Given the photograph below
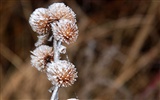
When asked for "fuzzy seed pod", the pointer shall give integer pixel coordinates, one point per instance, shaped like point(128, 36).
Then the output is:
point(61, 73)
point(41, 56)
point(65, 30)
point(40, 21)
point(61, 11)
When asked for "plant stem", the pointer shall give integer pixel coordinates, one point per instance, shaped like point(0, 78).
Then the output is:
point(56, 53)
point(55, 94)
point(56, 58)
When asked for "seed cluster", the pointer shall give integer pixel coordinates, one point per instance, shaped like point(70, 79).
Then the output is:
point(59, 18)
point(57, 24)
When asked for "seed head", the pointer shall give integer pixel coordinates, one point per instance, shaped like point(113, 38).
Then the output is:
point(61, 11)
point(65, 30)
point(40, 21)
point(62, 73)
point(41, 56)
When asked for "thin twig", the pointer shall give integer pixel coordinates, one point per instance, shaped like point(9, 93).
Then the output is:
point(141, 37)
point(134, 68)
point(11, 56)
point(55, 93)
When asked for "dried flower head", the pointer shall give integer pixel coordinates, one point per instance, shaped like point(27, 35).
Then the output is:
point(61, 11)
point(65, 30)
point(41, 56)
point(40, 21)
point(62, 73)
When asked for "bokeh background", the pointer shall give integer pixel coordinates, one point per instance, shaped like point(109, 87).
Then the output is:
point(117, 53)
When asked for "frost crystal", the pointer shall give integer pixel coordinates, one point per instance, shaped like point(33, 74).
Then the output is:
point(61, 73)
point(41, 56)
point(65, 30)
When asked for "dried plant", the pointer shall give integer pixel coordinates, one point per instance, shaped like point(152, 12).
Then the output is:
point(62, 73)
point(41, 56)
point(60, 20)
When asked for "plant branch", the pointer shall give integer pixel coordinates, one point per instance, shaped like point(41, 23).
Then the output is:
point(55, 94)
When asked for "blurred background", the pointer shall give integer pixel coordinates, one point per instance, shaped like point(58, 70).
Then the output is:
point(117, 53)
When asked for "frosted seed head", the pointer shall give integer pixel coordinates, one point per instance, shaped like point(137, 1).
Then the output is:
point(41, 56)
point(62, 73)
point(65, 30)
point(40, 21)
point(61, 11)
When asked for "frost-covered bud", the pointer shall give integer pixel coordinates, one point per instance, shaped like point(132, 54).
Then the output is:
point(41, 56)
point(40, 21)
point(61, 73)
point(65, 30)
point(61, 11)
point(42, 39)
point(62, 49)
